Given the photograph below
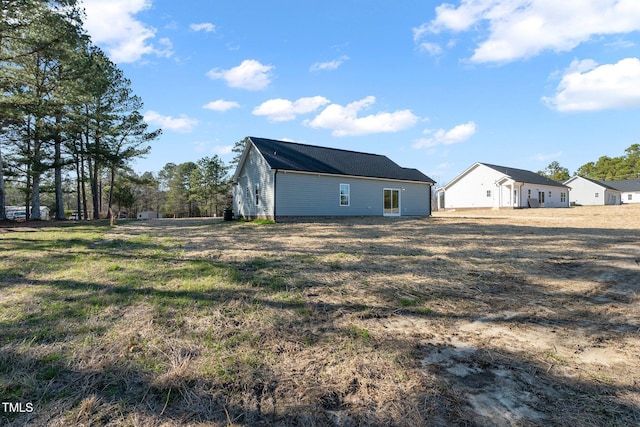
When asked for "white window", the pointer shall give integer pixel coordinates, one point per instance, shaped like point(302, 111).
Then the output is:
point(488, 193)
point(597, 195)
point(549, 194)
point(345, 195)
point(629, 197)
point(528, 193)
point(563, 197)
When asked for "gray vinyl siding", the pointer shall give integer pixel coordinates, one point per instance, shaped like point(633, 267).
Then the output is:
point(255, 171)
point(301, 194)
point(416, 199)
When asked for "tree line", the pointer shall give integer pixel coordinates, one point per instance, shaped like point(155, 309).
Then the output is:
point(65, 109)
point(190, 189)
point(605, 168)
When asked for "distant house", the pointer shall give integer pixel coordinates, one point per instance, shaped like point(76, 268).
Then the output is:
point(278, 180)
point(588, 192)
point(149, 215)
point(630, 189)
point(19, 212)
point(484, 185)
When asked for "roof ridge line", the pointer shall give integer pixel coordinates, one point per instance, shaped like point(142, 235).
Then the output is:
point(322, 147)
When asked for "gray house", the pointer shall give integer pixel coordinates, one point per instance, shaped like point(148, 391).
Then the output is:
point(587, 192)
point(278, 179)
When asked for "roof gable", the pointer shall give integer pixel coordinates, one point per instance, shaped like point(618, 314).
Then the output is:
point(315, 159)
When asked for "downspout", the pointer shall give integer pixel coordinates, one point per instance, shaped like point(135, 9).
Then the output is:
point(520, 196)
point(275, 184)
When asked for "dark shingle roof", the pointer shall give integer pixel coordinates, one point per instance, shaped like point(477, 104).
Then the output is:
point(521, 175)
point(626, 185)
point(310, 158)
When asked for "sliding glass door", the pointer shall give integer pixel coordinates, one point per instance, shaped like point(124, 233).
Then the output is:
point(391, 202)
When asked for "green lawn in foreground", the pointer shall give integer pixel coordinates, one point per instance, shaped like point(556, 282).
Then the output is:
point(68, 297)
point(97, 329)
point(524, 319)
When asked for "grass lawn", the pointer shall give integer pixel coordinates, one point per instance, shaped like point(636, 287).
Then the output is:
point(527, 317)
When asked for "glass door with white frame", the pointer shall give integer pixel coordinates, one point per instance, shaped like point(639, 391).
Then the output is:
point(391, 202)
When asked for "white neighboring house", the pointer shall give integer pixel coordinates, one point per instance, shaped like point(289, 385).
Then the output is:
point(149, 215)
point(484, 185)
point(630, 189)
point(589, 192)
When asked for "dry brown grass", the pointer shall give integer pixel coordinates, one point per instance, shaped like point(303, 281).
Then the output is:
point(527, 317)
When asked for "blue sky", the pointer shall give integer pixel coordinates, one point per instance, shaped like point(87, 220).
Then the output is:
point(434, 86)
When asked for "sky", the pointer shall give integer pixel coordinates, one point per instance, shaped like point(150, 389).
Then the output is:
point(434, 86)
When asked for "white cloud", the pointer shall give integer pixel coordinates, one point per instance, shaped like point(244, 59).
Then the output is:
point(520, 29)
point(344, 121)
point(420, 32)
point(544, 157)
point(223, 149)
point(329, 65)
point(182, 124)
point(249, 75)
point(113, 26)
point(621, 44)
point(446, 137)
point(207, 27)
point(221, 105)
point(200, 146)
point(433, 49)
point(441, 169)
point(586, 86)
point(281, 110)
point(167, 48)
point(208, 147)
